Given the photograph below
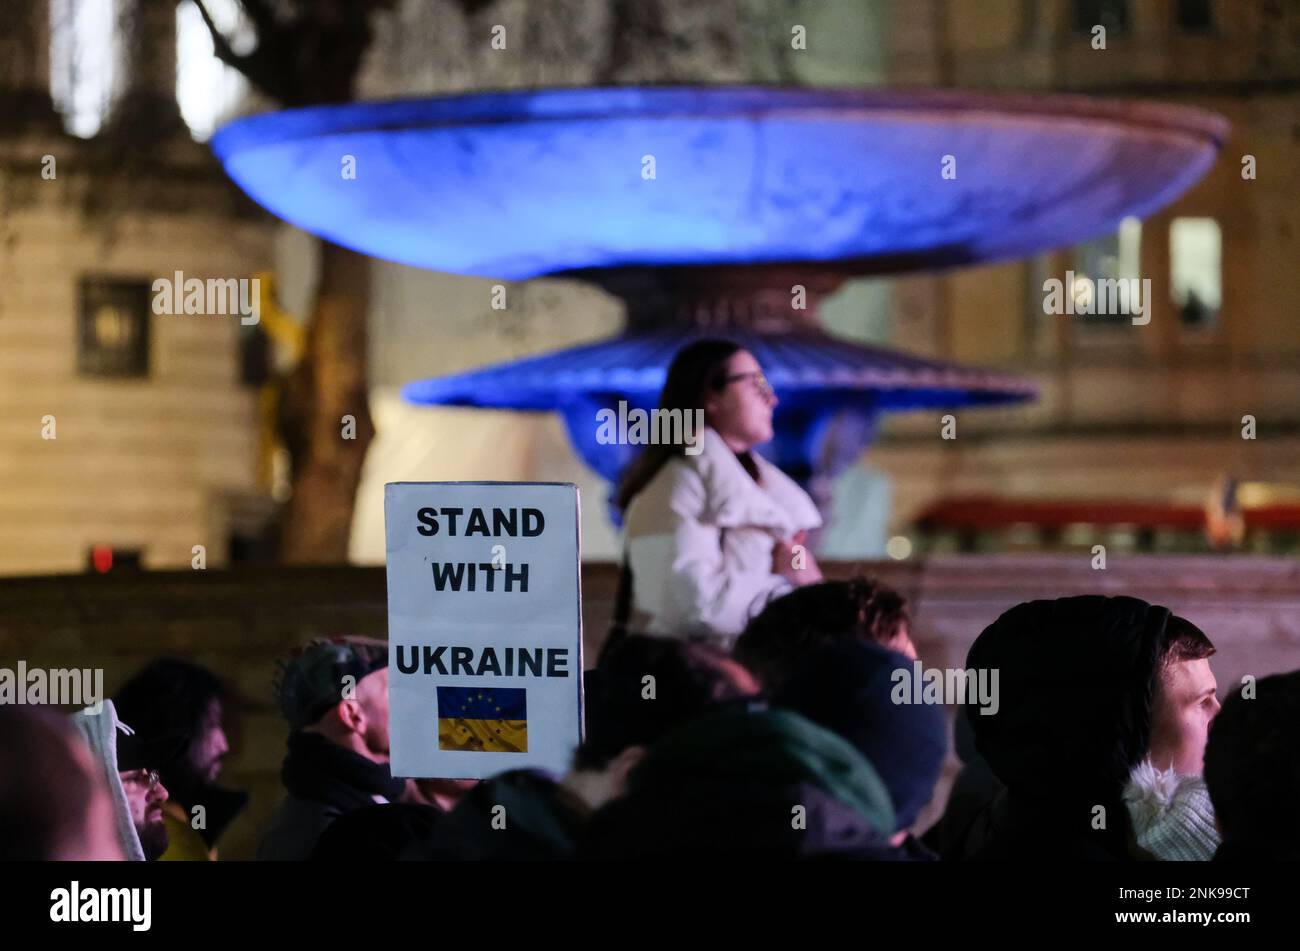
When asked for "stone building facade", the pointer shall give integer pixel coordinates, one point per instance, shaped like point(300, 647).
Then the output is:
point(120, 429)
point(159, 463)
point(1150, 412)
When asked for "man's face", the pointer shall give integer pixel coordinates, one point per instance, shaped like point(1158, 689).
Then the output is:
point(209, 745)
point(1180, 723)
point(145, 797)
point(372, 695)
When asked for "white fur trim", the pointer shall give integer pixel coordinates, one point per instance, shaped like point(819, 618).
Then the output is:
point(1172, 816)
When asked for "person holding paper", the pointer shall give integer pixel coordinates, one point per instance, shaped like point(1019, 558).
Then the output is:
point(713, 530)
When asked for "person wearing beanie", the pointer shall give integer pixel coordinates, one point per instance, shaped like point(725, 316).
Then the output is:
point(132, 778)
point(746, 782)
point(848, 688)
point(1090, 687)
point(1171, 814)
point(1252, 771)
point(334, 695)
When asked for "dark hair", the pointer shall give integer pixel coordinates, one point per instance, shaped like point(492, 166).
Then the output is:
point(1183, 641)
point(1252, 767)
point(778, 640)
point(44, 792)
point(165, 703)
point(689, 680)
point(696, 369)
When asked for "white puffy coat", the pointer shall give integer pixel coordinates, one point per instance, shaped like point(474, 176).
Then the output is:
point(699, 542)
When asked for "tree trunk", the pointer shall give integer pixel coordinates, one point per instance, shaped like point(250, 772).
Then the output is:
point(325, 413)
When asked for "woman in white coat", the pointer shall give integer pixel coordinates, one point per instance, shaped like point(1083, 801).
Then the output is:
point(716, 532)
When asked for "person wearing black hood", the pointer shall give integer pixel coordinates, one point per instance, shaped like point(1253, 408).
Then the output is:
point(334, 694)
point(1091, 689)
point(180, 708)
point(1252, 769)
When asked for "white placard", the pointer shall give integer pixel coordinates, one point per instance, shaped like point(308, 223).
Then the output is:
point(484, 627)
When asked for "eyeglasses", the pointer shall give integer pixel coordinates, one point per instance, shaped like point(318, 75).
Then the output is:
point(143, 777)
point(760, 381)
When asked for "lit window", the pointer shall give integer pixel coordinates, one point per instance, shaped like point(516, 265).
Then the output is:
point(1196, 266)
point(83, 53)
point(1106, 277)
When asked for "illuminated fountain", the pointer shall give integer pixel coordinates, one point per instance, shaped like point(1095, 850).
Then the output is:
point(708, 210)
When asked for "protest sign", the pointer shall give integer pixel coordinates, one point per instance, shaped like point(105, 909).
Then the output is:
point(484, 627)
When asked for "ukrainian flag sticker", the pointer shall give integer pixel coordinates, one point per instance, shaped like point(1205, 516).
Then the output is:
point(483, 719)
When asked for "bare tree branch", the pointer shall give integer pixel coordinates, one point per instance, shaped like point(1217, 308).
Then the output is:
point(220, 45)
point(264, 66)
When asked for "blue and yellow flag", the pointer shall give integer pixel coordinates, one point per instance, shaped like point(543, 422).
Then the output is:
point(483, 719)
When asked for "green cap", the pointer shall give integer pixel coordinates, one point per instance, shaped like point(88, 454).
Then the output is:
point(310, 680)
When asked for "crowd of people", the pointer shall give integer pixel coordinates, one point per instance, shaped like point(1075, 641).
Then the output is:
point(774, 726)
point(1108, 743)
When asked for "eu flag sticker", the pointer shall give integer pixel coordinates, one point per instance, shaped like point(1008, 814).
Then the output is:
point(483, 719)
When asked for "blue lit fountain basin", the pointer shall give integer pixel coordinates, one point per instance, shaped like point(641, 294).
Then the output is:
point(519, 184)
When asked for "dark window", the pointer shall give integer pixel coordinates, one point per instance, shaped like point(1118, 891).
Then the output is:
point(1195, 16)
point(105, 558)
point(250, 549)
point(1112, 14)
point(113, 328)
